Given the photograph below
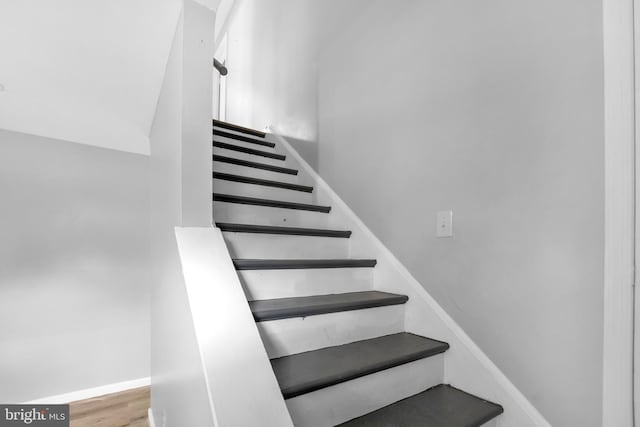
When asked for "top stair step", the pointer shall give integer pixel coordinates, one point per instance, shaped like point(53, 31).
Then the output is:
point(243, 138)
point(238, 128)
point(303, 373)
point(440, 406)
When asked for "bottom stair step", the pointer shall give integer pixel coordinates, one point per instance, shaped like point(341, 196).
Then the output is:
point(306, 372)
point(440, 406)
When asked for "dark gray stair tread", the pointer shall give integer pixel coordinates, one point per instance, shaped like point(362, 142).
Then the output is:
point(271, 229)
point(286, 308)
point(302, 373)
point(259, 181)
point(296, 264)
point(246, 150)
point(217, 132)
point(247, 163)
point(440, 406)
point(238, 128)
point(270, 203)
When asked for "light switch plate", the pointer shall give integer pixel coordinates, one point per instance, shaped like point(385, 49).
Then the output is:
point(444, 226)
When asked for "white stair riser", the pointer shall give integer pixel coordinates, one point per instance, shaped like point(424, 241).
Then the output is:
point(336, 404)
point(268, 284)
point(265, 215)
point(260, 191)
point(291, 336)
point(253, 245)
point(223, 167)
point(253, 157)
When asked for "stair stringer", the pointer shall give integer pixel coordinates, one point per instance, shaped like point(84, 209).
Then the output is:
point(466, 366)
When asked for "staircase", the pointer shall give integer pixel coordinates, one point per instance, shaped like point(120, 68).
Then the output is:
point(338, 346)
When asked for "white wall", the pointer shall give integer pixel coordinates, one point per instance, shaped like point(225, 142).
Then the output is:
point(271, 62)
point(75, 267)
point(493, 109)
point(87, 71)
point(74, 285)
point(197, 90)
point(179, 395)
point(222, 14)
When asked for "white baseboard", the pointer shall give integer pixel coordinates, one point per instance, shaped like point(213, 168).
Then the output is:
point(469, 359)
point(92, 392)
point(152, 421)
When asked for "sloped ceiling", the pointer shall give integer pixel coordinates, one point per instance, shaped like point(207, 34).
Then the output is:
point(86, 71)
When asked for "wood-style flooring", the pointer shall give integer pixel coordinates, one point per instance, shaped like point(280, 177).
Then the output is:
point(125, 409)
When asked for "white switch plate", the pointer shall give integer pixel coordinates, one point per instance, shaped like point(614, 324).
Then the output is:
point(444, 226)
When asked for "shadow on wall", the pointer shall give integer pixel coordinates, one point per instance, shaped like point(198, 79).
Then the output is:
point(307, 149)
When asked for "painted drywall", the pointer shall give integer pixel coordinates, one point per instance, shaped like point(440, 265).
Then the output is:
point(272, 60)
point(86, 71)
point(74, 285)
point(179, 394)
point(197, 89)
point(222, 14)
point(271, 63)
point(492, 109)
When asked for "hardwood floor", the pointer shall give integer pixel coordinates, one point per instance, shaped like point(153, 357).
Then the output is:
point(124, 409)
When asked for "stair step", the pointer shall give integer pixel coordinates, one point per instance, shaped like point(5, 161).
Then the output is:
point(269, 215)
point(291, 231)
point(270, 284)
point(217, 132)
point(440, 406)
point(286, 308)
point(238, 128)
point(343, 402)
point(303, 373)
point(228, 198)
point(241, 189)
point(288, 264)
point(282, 246)
point(264, 182)
point(285, 337)
point(263, 166)
point(225, 167)
point(246, 150)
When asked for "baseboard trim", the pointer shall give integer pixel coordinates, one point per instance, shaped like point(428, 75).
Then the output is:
point(92, 392)
point(519, 405)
